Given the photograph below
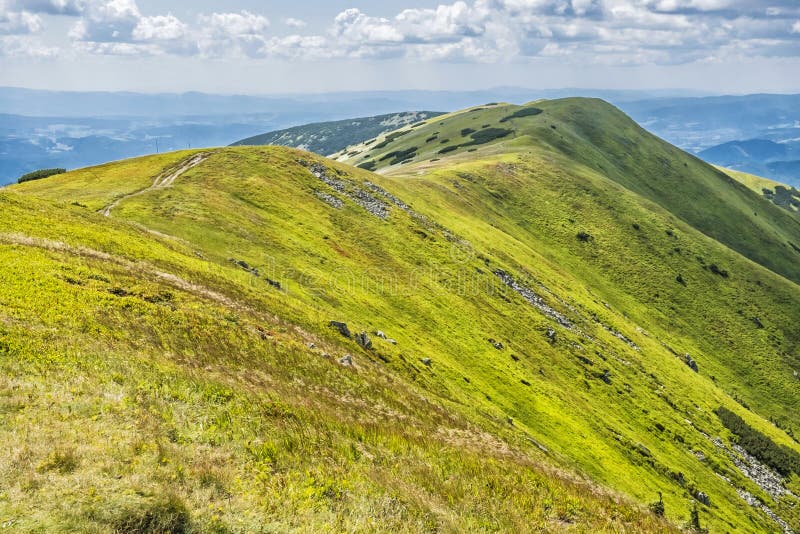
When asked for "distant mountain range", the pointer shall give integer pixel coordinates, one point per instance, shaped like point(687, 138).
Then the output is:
point(779, 161)
point(64, 129)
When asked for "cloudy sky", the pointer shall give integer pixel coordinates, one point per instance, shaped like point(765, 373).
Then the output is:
point(247, 46)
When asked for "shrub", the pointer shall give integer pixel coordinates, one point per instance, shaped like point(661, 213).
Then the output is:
point(524, 112)
point(584, 237)
point(466, 131)
point(400, 156)
point(434, 137)
point(368, 165)
point(658, 507)
point(781, 458)
point(391, 137)
point(166, 514)
point(62, 461)
point(38, 175)
point(488, 135)
point(714, 268)
point(447, 149)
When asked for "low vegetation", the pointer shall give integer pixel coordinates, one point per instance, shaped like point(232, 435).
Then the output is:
point(520, 113)
point(38, 175)
point(780, 457)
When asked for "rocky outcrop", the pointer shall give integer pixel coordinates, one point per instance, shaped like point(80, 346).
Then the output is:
point(690, 362)
point(364, 340)
point(341, 327)
point(360, 196)
point(330, 200)
point(244, 265)
point(618, 335)
point(532, 298)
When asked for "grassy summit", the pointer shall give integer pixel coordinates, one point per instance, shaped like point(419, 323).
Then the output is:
point(172, 365)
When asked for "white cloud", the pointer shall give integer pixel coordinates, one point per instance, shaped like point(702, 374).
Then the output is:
point(235, 24)
point(12, 23)
point(51, 7)
point(295, 23)
point(580, 31)
point(25, 47)
point(222, 34)
point(159, 28)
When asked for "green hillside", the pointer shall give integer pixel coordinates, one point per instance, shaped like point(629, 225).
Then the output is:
point(170, 364)
point(592, 134)
point(782, 195)
point(328, 137)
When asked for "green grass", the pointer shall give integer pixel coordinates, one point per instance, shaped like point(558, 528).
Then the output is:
point(592, 134)
point(178, 388)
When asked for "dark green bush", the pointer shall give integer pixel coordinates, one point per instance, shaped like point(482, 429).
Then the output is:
point(391, 137)
point(779, 457)
point(658, 507)
point(38, 175)
point(447, 149)
point(714, 268)
point(400, 155)
point(488, 135)
point(466, 131)
point(524, 112)
point(368, 165)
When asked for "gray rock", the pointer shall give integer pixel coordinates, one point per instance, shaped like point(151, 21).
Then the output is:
point(341, 327)
point(392, 341)
point(330, 200)
point(346, 360)
point(533, 299)
point(312, 346)
point(498, 345)
point(690, 362)
point(426, 361)
point(380, 334)
point(364, 340)
point(702, 497)
point(551, 335)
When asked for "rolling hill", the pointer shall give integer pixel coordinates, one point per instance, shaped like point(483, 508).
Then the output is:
point(328, 137)
point(532, 317)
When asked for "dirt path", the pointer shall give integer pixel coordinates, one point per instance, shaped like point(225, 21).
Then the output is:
point(162, 180)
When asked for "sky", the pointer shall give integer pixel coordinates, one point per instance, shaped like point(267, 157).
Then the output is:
point(314, 46)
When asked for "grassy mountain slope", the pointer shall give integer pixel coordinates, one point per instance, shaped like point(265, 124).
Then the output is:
point(328, 137)
point(148, 386)
point(601, 138)
point(784, 196)
point(524, 353)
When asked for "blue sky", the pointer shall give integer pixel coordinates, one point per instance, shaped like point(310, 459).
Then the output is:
point(247, 46)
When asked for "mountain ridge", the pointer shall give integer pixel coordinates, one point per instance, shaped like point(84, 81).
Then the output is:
point(558, 335)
